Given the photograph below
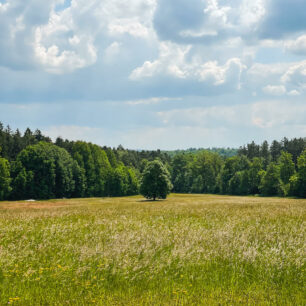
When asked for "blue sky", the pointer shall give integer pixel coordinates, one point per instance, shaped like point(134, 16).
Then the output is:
point(155, 74)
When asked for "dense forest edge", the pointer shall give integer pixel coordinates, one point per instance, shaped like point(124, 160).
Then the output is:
point(34, 167)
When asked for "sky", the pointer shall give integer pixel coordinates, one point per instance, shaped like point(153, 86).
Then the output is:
point(148, 74)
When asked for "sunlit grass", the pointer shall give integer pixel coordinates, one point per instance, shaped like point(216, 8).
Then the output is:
point(189, 249)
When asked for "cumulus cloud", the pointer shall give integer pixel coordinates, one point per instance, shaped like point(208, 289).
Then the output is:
point(79, 53)
point(282, 78)
point(296, 75)
point(130, 26)
point(132, 52)
point(251, 13)
point(275, 90)
point(297, 46)
point(172, 61)
point(35, 33)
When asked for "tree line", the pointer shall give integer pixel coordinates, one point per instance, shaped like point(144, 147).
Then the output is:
point(32, 166)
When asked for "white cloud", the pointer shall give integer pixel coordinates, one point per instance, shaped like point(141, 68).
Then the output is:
point(259, 70)
point(251, 12)
point(293, 93)
point(111, 52)
point(155, 100)
point(275, 90)
point(297, 46)
point(68, 39)
point(217, 15)
point(195, 34)
point(130, 26)
point(142, 54)
point(173, 62)
point(296, 75)
point(288, 77)
point(4, 6)
point(217, 75)
point(278, 114)
point(82, 53)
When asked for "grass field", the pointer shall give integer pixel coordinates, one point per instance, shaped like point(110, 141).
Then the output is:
point(186, 250)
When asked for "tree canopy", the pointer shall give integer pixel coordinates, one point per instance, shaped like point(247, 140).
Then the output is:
point(155, 181)
point(32, 166)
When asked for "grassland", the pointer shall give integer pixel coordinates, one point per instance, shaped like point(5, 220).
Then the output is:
point(187, 250)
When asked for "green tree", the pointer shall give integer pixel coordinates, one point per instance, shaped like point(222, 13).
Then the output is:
point(94, 161)
point(132, 182)
point(22, 181)
point(102, 169)
point(270, 181)
point(235, 183)
point(119, 182)
point(44, 171)
point(275, 149)
point(245, 185)
point(155, 182)
point(206, 164)
point(79, 179)
point(265, 154)
point(302, 175)
point(231, 166)
point(286, 166)
point(181, 164)
point(82, 154)
point(254, 175)
point(197, 184)
point(5, 179)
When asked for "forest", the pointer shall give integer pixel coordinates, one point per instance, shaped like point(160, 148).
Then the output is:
point(34, 167)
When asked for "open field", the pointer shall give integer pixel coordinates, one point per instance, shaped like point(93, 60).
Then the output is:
point(189, 249)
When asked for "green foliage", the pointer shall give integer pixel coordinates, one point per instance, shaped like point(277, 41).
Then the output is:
point(44, 171)
point(231, 166)
point(239, 184)
point(302, 175)
point(155, 182)
point(101, 171)
point(223, 152)
point(79, 179)
point(271, 182)
point(118, 182)
point(286, 166)
point(254, 175)
point(180, 166)
point(5, 179)
point(234, 183)
point(132, 188)
point(198, 184)
point(22, 182)
point(206, 166)
point(294, 185)
point(13, 143)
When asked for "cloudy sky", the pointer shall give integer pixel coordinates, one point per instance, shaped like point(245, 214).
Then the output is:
point(155, 73)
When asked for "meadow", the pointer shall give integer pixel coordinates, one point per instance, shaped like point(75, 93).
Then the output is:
point(186, 250)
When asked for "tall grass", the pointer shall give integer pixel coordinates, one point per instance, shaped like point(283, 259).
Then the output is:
point(186, 250)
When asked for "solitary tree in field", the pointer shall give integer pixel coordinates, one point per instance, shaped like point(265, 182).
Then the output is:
point(155, 182)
